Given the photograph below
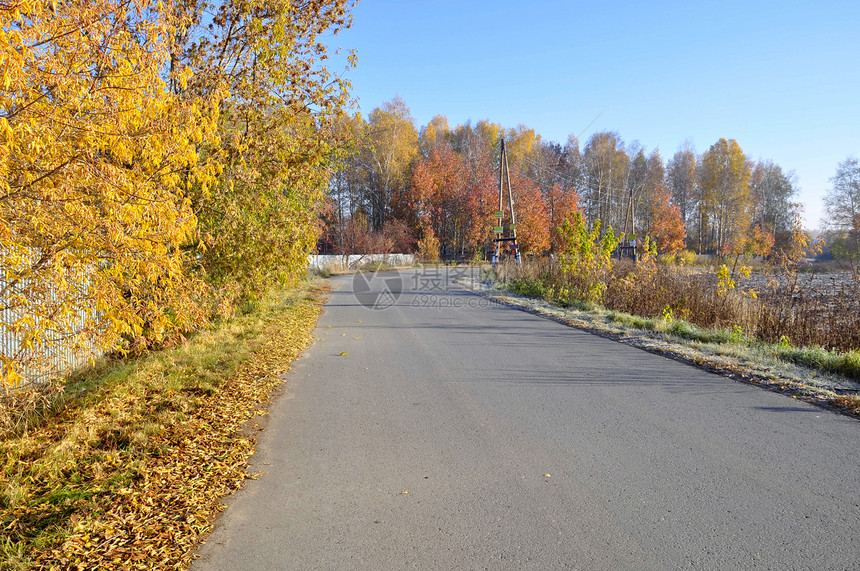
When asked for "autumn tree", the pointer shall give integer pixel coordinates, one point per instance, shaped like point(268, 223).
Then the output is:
point(347, 190)
point(476, 148)
point(572, 166)
point(846, 246)
point(562, 204)
point(463, 224)
point(92, 211)
point(393, 149)
point(433, 134)
point(358, 237)
point(438, 198)
point(522, 145)
point(145, 145)
point(667, 225)
point(451, 197)
point(633, 200)
point(605, 166)
point(490, 133)
point(842, 202)
point(682, 180)
point(446, 178)
point(842, 205)
point(771, 206)
point(723, 206)
point(262, 65)
point(533, 224)
point(549, 166)
point(651, 193)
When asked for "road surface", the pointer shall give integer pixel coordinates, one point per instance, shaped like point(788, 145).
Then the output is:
point(428, 428)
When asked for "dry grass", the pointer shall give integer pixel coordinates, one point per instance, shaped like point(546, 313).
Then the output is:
point(720, 350)
point(30, 405)
point(126, 468)
point(814, 328)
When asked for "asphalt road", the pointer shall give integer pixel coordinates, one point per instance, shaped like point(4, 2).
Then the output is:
point(457, 434)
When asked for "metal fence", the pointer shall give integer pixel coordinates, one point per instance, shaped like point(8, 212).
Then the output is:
point(56, 353)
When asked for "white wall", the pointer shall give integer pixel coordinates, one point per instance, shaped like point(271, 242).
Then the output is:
point(353, 261)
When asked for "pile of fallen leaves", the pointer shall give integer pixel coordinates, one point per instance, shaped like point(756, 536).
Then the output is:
point(130, 476)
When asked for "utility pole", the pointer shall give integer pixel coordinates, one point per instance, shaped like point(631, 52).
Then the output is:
point(627, 247)
point(630, 215)
point(500, 213)
point(504, 173)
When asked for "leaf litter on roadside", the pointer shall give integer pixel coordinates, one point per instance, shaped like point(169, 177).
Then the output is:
point(80, 498)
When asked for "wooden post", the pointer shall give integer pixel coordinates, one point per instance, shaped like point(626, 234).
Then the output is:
point(498, 230)
point(511, 203)
point(497, 255)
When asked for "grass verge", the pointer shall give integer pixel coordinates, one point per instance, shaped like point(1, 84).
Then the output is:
point(127, 469)
point(826, 378)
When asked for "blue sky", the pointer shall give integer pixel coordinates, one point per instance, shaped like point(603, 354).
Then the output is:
point(783, 78)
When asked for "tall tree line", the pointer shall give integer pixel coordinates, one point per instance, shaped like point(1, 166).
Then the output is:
point(445, 179)
point(842, 205)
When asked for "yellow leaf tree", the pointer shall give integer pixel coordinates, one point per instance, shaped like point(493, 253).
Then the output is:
point(92, 144)
point(392, 153)
point(264, 62)
point(724, 183)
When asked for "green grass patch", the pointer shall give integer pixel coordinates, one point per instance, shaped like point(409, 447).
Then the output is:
point(633, 321)
point(841, 363)
point(527, 287)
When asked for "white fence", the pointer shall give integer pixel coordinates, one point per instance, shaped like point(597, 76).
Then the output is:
point(53, 356)
point(339, 263)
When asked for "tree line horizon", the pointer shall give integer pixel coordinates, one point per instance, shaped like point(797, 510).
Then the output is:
point(400, 184)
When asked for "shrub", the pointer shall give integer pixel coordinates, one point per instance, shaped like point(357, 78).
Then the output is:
point(526, 286)
point(428, 247)
point(708, 299)
point(681, 329)
point(686, 258)
point(585, 259)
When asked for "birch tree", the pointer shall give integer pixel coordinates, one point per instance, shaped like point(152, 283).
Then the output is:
point(724, 180)
point(842, 202)
point(393, 150)
point(681, 180)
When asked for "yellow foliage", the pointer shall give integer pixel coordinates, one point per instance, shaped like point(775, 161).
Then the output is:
point(91, 211)
point(725, 282)
point(123, 126)
point(263, 62)
point(428, 246)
